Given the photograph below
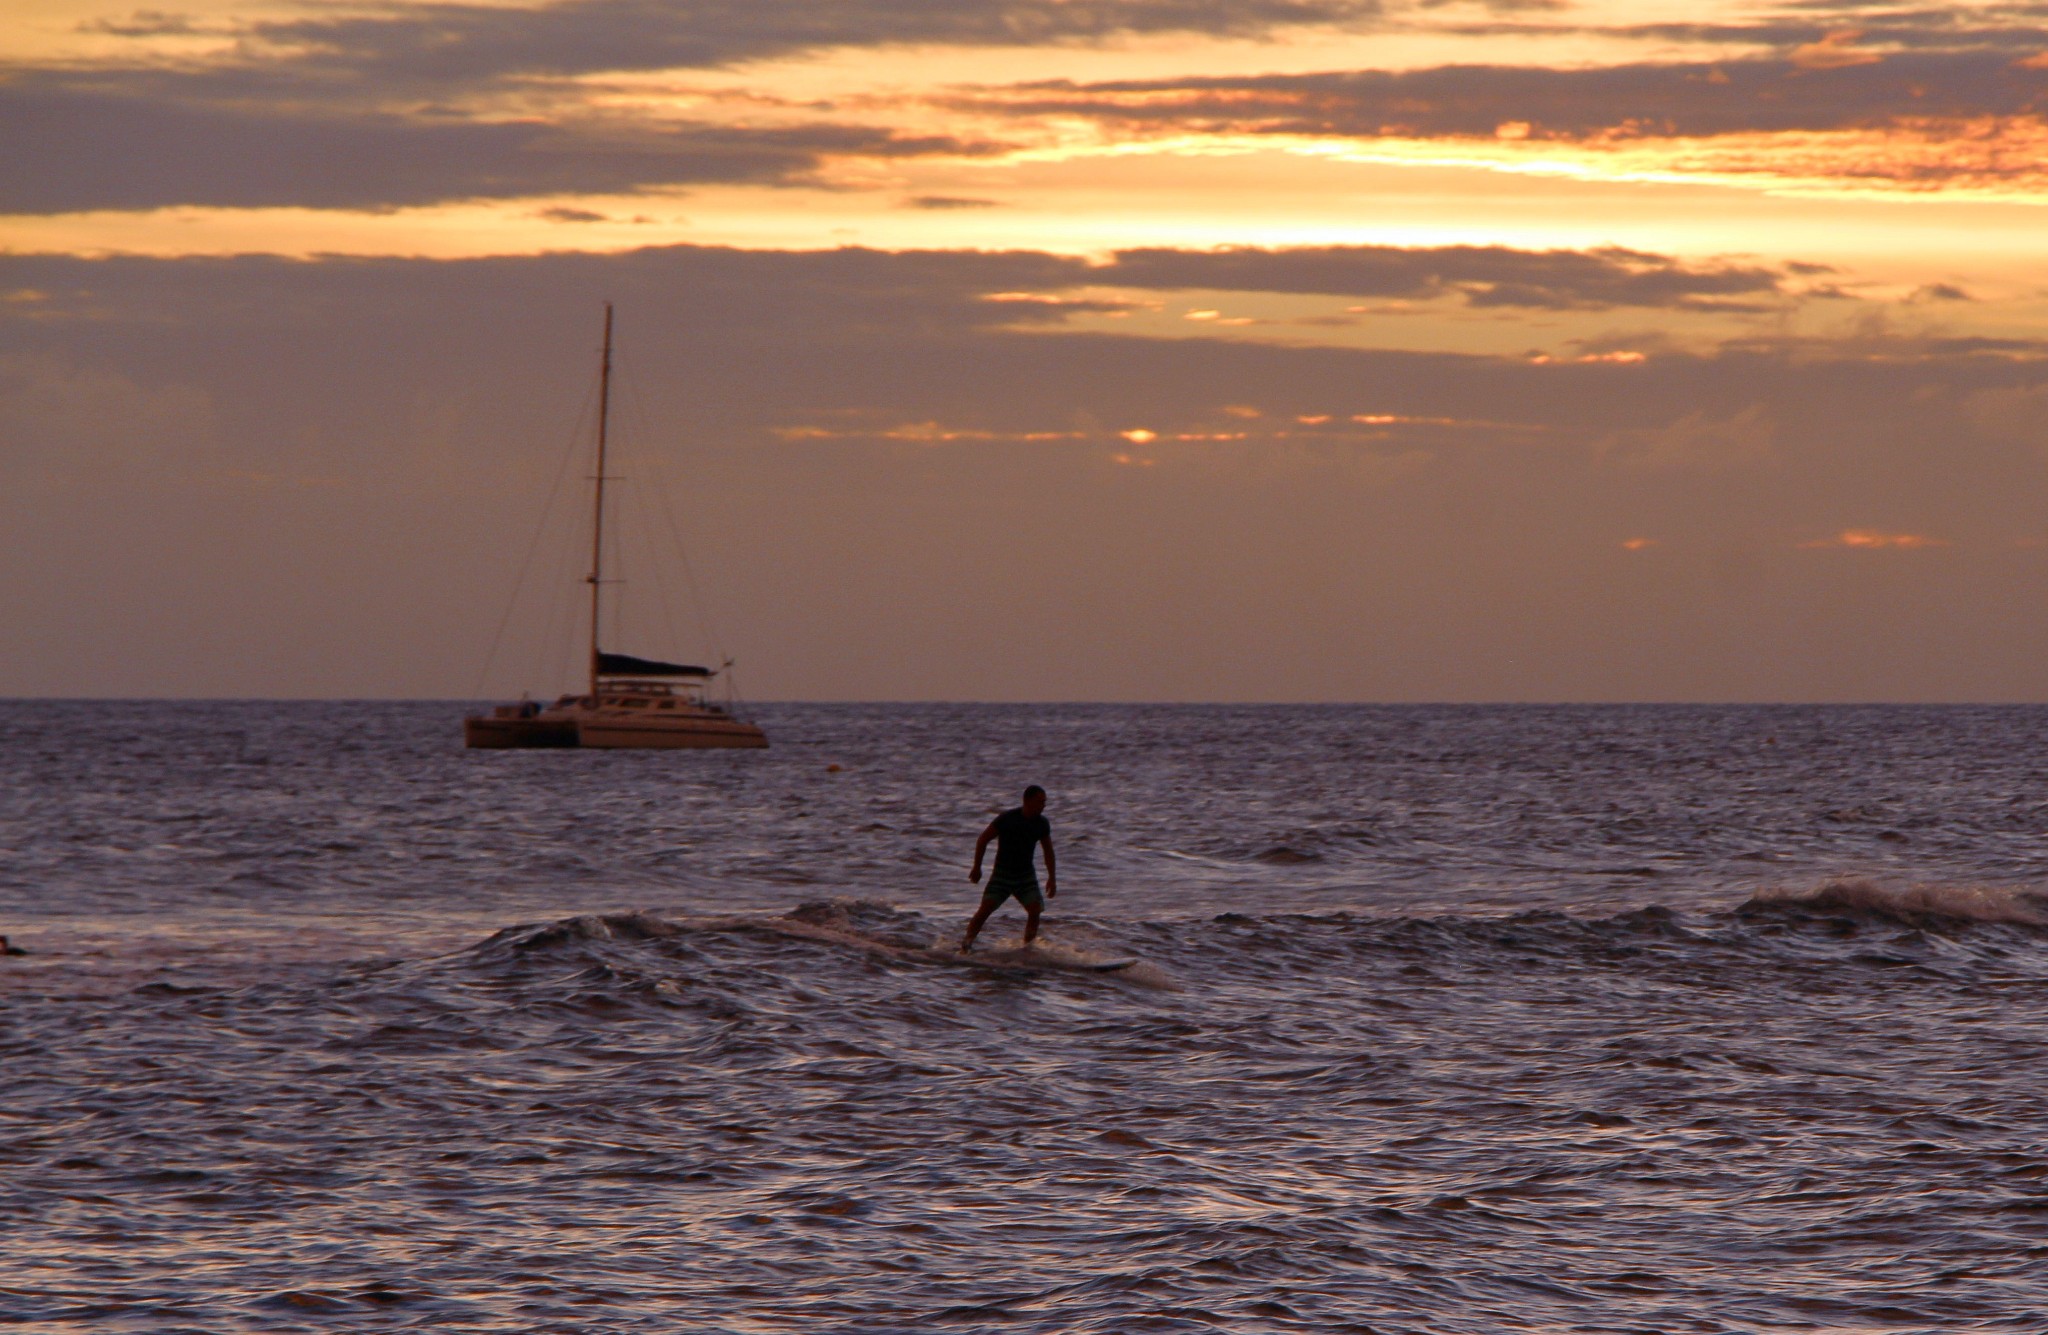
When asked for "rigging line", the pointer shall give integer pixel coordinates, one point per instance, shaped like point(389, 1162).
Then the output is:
point(567, 651)
point(600, 631)
point(558, 632)
point(636, 412)
point(636, 409)
point(697, 600)
point(733, 697)
point(568, 597)
point(533, 546)
point(570, 653)
point(703, 608)
point(665, 597)
point(562, 621)
point(615, 560)
point(615, 553)
point(567, 656)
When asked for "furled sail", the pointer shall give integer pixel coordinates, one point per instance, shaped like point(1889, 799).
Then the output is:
point(626, 665)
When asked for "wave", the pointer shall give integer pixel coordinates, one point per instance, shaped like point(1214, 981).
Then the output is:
point(1913, 906)
point(1953, 931)
point(868, 927)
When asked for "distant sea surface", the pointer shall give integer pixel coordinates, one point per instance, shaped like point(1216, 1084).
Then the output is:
point(1475, 1019)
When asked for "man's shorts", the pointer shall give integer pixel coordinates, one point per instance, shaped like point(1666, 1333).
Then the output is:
point(1023, 888)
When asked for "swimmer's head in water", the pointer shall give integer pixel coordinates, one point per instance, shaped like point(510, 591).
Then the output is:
point(1034, 800)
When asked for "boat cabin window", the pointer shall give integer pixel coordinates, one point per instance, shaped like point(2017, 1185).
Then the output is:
point(634, 704)
point(666, 704)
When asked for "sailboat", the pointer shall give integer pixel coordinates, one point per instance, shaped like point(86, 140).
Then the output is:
point(630, 701)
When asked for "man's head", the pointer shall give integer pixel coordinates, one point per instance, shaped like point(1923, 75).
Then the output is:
point(1034, 800)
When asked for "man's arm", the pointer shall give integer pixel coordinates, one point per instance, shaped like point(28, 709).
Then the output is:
point(981, 847)
point(1052, 880)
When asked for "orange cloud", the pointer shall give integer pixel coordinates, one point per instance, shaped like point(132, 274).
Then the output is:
point(1835, 51)
point(1403, 419)
point(1864, 539)
point(922, 433)
point(1637, 544)
point(1825, 126)
point(932, 432)
point(1623, 358)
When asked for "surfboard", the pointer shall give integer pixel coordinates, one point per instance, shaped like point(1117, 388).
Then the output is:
point(1047, 957)
point(1040, 960)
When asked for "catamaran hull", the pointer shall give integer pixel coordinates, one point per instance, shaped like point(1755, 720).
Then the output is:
point(504, 734)
point(672, 735)
point(492, 733)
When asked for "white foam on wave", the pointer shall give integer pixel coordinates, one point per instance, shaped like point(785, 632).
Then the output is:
point(1970, 903)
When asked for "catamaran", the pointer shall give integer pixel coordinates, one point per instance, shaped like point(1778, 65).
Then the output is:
point(630, 701)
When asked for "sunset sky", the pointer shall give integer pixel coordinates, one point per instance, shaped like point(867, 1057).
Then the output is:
point(1031, 349)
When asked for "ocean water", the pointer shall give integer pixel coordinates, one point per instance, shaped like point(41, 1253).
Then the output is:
point(1445, 1020)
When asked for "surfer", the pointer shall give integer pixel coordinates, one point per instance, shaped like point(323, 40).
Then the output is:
point(1018, 833)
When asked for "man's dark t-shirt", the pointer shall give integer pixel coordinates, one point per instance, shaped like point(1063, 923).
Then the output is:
point(1017, 835)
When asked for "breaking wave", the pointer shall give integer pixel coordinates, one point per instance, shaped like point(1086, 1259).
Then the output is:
point(1916, 905)
point(1850, 922)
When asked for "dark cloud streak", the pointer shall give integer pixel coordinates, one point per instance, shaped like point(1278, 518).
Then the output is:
point(353, 111)
point(67, 150)
point(1482, 275)
point(476, 43)
point(1702, 98)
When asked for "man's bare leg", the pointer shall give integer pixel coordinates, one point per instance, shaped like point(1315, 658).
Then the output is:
point(974, 926)
point(1031, 922)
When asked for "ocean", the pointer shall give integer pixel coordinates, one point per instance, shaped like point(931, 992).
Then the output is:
point(1446, 1019)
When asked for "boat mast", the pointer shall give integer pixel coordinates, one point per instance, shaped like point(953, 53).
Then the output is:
point(604, 404)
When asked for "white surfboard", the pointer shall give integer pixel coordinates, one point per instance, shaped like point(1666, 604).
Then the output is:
point(1047, 957)
point(1041, 960)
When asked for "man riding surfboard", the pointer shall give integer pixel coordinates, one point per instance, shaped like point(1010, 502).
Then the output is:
point(1017, 833)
